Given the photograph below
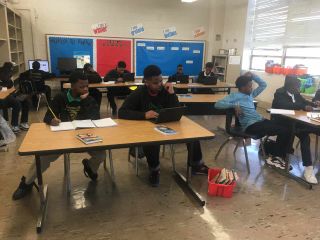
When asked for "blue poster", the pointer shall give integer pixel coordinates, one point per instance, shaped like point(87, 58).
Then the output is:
point(168, 54)
point(68, 47)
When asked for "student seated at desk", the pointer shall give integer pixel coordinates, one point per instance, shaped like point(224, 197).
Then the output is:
point(208, 72)
point(38, 78)
point(174, 78)
point(17, 103)
point(75, 104)
point(288, 97)
point(93, 77)
point(252, 122)
point(116, 75)
point(143, 104)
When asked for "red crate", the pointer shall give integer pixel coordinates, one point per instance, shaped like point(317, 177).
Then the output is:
point(220, 190)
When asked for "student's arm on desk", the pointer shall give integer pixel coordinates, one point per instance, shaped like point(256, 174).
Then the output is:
point(130, 108)
point(262, 85)
point(227, 102)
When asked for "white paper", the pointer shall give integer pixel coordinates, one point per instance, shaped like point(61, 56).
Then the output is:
point(282, 111)
point(196, 51)
point(105, 122)
point(109, 82)
point(63, 126)
point(234, 60)
point(150, 48)
point(4, 89)
point(161, 48)
point(174, 48)
point(83, 124)
point(189, 62)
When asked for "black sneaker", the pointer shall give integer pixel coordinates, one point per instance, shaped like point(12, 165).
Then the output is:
point(277, 162)
point(23, 189)
point(200, 170)
point(154, 178)
point(88, 171)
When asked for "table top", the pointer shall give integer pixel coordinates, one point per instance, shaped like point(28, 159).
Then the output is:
point(108, 84)
point(200, 98)
point(4, 94)
point(301, 116)
point(199, 85)
point(57, 79)
point(41, 140)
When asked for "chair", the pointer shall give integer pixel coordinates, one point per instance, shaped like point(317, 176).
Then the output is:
point(163, 152)
point(236, 132)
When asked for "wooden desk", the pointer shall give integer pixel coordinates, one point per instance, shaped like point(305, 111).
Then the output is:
point(301, 117)
point(199, 85)
point(108, 85)
point(200, 98)
point(39, 140)
point(5, 94)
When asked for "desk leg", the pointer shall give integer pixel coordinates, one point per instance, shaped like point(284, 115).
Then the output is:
point(111, 166)
point(136, 159)
point(229, 90)
point(43, 191)
point(186, 180)
point(67, 171)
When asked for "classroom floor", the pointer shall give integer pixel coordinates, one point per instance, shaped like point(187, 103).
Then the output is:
point(265, 205)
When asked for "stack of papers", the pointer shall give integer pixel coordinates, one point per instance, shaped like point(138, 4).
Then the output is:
point(76, 124)
point(314, 116)
point(282, 111)
point(109, 82)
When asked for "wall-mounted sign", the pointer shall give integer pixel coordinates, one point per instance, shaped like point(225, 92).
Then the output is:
point(169, 32)
point(137, 29)
point(99, 28)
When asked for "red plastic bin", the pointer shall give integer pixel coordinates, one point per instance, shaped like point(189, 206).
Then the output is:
point(220, 190)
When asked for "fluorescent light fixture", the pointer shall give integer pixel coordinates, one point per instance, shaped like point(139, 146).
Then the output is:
point(188, 1)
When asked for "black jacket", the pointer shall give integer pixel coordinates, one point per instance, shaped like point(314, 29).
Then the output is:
point(113, 75)
point(5, 78)
point(282, 100)
point(93, 77)
point(317, 96)
point(140, 101)
point(201, 76)
point(86, 109)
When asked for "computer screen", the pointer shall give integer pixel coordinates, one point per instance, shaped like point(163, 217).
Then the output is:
point(44, 65)
point(67, 64)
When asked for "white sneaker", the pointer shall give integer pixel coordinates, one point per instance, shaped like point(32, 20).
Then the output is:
point(309, 175)
point(15, 129)
point(24, 126)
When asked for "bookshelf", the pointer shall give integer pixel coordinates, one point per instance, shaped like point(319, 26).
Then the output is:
point(11, 39)
point(225, 69)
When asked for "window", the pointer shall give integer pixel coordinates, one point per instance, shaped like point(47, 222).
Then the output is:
point(284, 31)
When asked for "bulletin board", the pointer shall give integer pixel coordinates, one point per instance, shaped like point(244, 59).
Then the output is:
point(102, 53)
point(69, 47)
point(168, 54)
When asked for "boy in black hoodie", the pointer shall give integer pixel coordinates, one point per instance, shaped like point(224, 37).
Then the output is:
point(67, 106)
point(289, 97)
point(143, 104)
point(13, 101)
point(93, 77)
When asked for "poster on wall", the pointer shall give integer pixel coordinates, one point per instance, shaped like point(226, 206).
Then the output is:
point(99, 28)
point(198, 32)
point(137, 29)
point(169, 32)
point(82, 58)
point(111, 51)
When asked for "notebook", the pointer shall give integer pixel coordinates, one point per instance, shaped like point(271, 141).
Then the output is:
point(77, 124)
point(282, 111)
point(88, 138)
point(165, 130)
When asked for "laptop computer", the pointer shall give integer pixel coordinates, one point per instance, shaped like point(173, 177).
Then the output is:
point(169, 115)
point(210, 80)
point(128, 77)
point(182, 78)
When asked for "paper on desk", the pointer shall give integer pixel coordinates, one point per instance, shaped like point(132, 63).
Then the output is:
point(282, 111)
point(109, 82)
point(63, 126)
point(83, 124)
point(4, 89)
point(105, 122)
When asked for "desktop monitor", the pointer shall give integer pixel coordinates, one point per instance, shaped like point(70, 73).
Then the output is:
point(44, 65)
point(67, 64)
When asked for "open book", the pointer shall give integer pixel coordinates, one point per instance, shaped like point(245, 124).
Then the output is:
point(76, 124)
